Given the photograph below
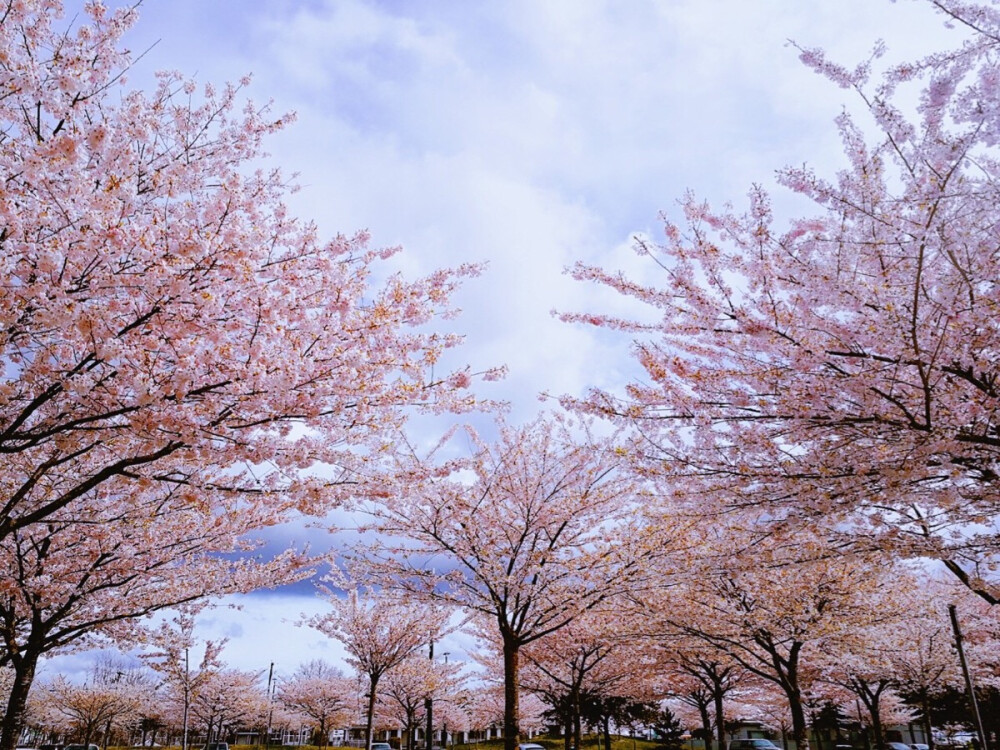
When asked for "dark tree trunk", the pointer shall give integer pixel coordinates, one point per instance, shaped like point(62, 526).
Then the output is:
point(13, 719)
point(511, 709)
point(370, 717)
point(429, 710)
point(575, 712)
point(872, 702)
point(925, 718)
point(800, 732)
point(720, 717)
point(706, 724)
point(577, 723)
point(411, 722)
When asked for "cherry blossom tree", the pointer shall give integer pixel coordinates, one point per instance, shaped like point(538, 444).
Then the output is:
point(691, 703)
point(181, 359)
point(704, 677)
point(320, 692)
point(409, 686)
point(379, 632)
point(172, 643)
point(527, 534)
point(405, 692)
point(228, 699)
point(768, 609)
point(591, 656)
point(843, 367)
point(73, 583)
point(110, 697)
point(166, 323)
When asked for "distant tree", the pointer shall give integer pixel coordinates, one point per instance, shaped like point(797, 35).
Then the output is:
point(603, 710)
point(408, 687)
point(379, 632)
point(228, 699)
point(91, 710)
point(527, 533)
point(701, 676)
point(587, 656)
point(406, 690)
point(667, 729)
point(171, 646)
point(692, 694)
point(321, 693)
point(766, 610)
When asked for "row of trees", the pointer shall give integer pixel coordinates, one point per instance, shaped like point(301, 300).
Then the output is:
point(713, 662)
point(122, 703)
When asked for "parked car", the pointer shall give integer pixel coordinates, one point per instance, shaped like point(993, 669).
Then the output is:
point(919, 746)
point(530, 746)
point(896, 746)
point(81, 747)
point(381, 746)
point(217, 746)
point(752, 743)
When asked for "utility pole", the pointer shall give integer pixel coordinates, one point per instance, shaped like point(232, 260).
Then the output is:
point(187, 698)
point(270, 704)
point(968, 678)
point(429, 706)
point(444, 724)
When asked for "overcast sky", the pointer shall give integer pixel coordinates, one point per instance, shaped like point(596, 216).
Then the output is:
point(527, 134)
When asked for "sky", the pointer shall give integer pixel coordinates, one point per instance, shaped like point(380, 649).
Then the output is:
point(527, 135)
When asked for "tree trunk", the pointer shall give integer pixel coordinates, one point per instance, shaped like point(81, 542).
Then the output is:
point(577, 725)
point(511, 669)
point(800, 732)
point(411, 720)
point(872, 700)
point(13, 718)
point(370, 717)
point(706, 724)
point(925, 718)
point(875, 711)
point(720, 717)
point(429, 710)
point(607, 733)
